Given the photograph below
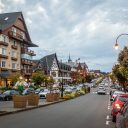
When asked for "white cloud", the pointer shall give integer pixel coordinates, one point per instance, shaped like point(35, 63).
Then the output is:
point(84, 28)
point(2, 6)
point(19, 1)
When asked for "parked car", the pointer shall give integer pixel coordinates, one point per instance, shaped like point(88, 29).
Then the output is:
point(101, 90)
point(37, 91)
point(122, 117)
point(116, 93)
point(28, 91)
point(8, 95)
point(117, 104)
point(43, 93)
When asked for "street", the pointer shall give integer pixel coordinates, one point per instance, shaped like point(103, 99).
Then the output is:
point(88, 111)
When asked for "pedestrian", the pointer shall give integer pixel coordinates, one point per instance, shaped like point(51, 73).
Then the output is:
point(88, 89)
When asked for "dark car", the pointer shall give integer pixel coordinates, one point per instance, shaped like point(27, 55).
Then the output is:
point(122, 117)
point(7, 95)
point(117, 104)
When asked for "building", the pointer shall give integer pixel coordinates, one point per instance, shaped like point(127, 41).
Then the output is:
point(15, 55)
point(77, 69)
point(51, 66)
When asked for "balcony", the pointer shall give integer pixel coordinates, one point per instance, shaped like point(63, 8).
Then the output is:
point(14, 70)
point(26, 71)
point(27, 51)
point(3, 43)
point(14, 58)
point(14, 47)
point(26, 62)
point(3, 56)
point(15, 36)
point(4, 69)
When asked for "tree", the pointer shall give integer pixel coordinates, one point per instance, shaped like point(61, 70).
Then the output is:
point(123, 57)
point(121, 70)
point(15, 77)
point(38, 77)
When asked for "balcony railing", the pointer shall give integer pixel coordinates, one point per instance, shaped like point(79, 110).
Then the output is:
point(3, 56)
point(27, 51)
point(15, 35)
point(26, 62)
point(4, 69)
point(14, 47)
point(14, 58)
point(3, 43)
point(26, 71)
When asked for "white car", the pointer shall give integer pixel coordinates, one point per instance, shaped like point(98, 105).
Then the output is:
point(101, 90)
point(43, 93)
point(116, 93)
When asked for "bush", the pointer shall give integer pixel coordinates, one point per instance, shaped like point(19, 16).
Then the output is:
point(69, 95)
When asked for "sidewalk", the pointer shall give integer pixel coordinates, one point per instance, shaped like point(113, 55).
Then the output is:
point(9, 109)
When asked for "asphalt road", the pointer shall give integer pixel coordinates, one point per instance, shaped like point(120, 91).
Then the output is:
point(87, 111)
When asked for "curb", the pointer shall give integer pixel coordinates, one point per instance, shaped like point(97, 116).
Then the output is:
point(33, 107)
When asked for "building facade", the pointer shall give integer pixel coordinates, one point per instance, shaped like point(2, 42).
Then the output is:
point(51, 66)
point(77, 69)
point(15, 55)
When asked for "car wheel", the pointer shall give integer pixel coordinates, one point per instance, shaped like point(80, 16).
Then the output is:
point(6, 98)
point(113, 118)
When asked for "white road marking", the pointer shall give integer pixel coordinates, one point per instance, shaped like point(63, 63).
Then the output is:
point(108, 117)
point(107, 122)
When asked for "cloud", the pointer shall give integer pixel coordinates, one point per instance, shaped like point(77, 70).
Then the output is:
point(83, 28)
point(2, 6)
point(18, 1)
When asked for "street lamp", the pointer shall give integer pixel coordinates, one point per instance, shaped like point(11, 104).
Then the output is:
point(116, 46)
point(62, 87)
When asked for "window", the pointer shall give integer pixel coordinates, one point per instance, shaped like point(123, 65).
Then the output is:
point(14, 43)
point(14, 54)
point(4, 38)
point(14, 31)
point(14, 65)
point(3, 63)
point(3, 51)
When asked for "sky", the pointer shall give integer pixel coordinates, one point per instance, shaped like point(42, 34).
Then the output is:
point(85, 29)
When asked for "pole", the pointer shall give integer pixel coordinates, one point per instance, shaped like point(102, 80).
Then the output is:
point(62, 88)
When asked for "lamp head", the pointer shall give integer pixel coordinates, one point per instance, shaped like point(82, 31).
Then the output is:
point(116, 46)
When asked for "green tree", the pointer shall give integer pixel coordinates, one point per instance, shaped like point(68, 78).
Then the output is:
point(15, 77)
point(38, 77)
point(123, 57)
point(121, 70)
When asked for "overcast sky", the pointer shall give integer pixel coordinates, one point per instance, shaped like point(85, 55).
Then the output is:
point(87, 29)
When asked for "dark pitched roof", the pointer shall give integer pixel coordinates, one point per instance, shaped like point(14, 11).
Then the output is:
point(47, 61)
point(8, 19)
point(11, 18)
point(84, 64)
point(64, 66)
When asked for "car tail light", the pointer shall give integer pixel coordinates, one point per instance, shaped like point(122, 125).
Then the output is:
point(117, 106)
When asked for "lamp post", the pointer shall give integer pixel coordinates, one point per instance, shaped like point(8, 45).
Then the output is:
point(116, 44)
point(62, 88)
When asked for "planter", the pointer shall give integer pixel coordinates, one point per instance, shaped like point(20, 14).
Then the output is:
point(33, 100)
point(19, 101)
point(56, 96)
point(50, 97)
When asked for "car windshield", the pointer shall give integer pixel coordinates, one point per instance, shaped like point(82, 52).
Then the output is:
point(123, 99)
point(6, 92)
point(101, 88)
